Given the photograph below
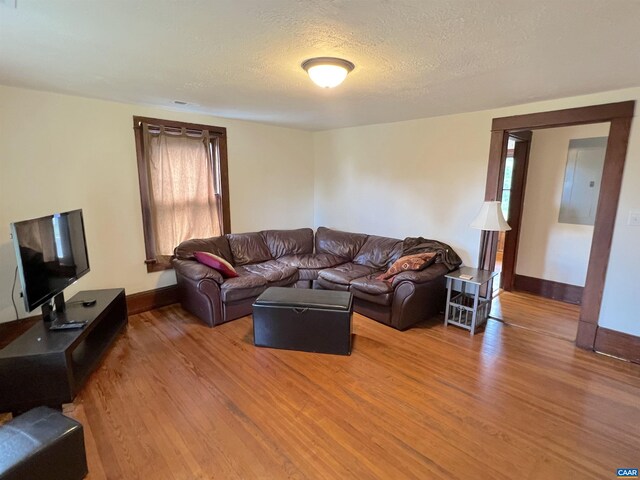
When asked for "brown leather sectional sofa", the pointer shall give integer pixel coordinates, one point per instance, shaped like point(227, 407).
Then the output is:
point(330, 259)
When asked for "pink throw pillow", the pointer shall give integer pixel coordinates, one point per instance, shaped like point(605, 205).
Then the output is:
point(217, 263)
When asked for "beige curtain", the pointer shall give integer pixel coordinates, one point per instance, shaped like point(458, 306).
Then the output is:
point(184, 186)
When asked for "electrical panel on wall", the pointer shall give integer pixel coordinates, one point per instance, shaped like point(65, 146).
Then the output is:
point(585, 161)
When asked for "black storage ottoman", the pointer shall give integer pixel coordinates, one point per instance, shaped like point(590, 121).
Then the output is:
point(303, 319)
point(42, 444)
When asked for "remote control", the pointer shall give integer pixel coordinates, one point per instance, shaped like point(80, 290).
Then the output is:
point(67, 325)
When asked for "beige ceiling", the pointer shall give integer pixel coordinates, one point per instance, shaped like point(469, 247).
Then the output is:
point(241, 58)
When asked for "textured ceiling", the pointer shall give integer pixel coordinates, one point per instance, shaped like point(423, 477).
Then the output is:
point(241, 58)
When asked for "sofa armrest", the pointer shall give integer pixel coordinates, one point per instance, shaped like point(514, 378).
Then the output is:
point(196, 271)
point(422, 276)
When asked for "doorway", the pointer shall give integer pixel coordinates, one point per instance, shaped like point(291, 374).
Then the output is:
point(550, 190)
point(619, 115)
point(514, 177)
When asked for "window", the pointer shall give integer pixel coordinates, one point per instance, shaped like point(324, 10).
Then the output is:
point(508, 179)
point(182, 168)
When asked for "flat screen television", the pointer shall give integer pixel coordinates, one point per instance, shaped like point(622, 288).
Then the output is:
point(52, 254)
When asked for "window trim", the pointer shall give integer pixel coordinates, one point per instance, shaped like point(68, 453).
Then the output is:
point(151, 260)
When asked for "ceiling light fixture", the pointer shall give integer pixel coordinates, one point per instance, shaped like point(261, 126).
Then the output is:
point(327, 72)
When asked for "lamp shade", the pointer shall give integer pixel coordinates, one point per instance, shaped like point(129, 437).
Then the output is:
point(490, 218)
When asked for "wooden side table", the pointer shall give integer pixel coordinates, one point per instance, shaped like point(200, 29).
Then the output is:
point(469, 308)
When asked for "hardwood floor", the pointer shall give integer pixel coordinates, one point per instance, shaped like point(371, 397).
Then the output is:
point(177, 400)
point(540, 314)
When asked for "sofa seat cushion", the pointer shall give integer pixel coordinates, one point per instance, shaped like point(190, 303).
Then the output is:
point(245, 286)
point(327, 285)
point(271, 271)
point(288, 242)
point(285, 282)
point(309, 266)
point(248, 248)
point(343, 274)
point(308, 273)
point(370, 284)
point(310, 261)
point(379, 299)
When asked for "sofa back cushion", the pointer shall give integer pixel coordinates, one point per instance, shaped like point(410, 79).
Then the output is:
point(248, 248)
point(378, 252)
point(288, 242)
point(336, 242)
point(217, 245)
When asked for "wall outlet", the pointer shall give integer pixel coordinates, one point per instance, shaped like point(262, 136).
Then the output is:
point(634, 219)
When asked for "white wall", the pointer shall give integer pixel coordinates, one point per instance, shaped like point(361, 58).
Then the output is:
point(548, 249)
point(60, 152)
point(427, 177)
point(420, 177)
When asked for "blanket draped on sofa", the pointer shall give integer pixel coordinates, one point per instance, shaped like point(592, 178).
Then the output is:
point(444, 253)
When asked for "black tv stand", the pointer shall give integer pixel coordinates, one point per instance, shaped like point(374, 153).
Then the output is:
point(44, 367)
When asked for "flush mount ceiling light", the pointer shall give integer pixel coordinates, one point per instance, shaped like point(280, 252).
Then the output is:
point(327, 72)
